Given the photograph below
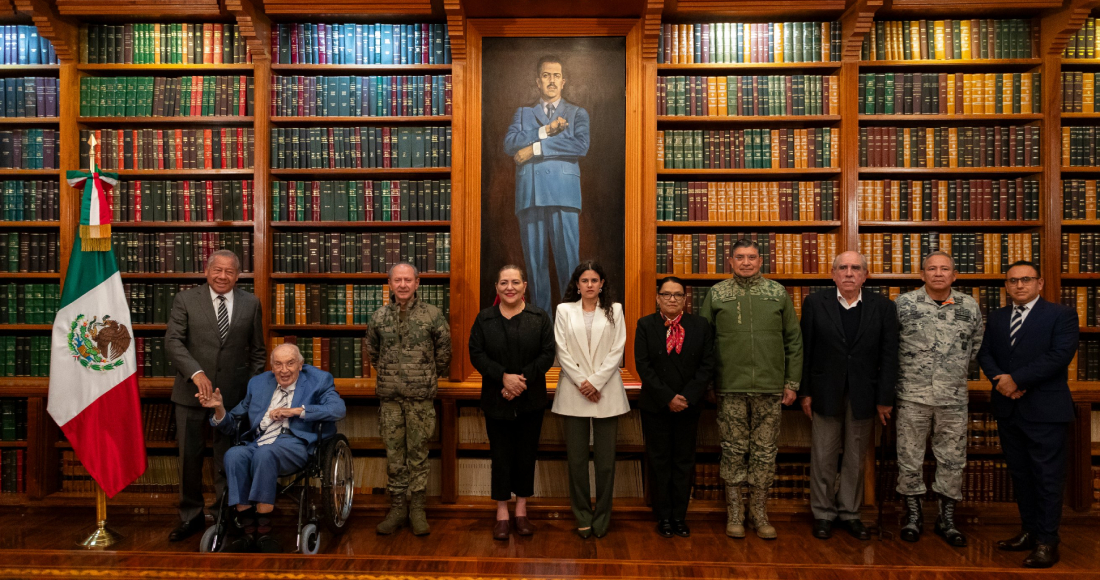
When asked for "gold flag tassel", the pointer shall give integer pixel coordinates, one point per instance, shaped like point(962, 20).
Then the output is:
point(95, 238)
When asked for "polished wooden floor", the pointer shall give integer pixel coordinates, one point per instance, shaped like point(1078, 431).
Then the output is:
point(41, 544)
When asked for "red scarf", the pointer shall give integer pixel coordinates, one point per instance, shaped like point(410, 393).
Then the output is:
point(674, 339)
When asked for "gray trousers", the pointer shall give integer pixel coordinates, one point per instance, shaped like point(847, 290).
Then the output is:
point(948, 428)
point(604, 434)
point(828, 499)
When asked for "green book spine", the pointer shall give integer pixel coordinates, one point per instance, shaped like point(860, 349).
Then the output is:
point(889, 96)
point(697, 153)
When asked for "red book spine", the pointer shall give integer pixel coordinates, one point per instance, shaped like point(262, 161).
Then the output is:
point(447, 94)
point(137, 201)
point(427, 95)
point(368, 201)
point(315, 193)
point(385, 147)
point(242, 97)
point(178, 142)
point(395, 97)
point(425, 43)
point(139, 352)
point(223, 153)
point(275, 40)
point(240, 149)
point(395, 201)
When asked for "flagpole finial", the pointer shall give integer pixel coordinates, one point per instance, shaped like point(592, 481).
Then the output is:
point(91, 140)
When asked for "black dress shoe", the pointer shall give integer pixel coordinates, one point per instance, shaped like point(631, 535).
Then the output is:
point(267, 544)
point(680, 528)
point(856, 529)
point(823, 529)
point(1021, 542)
point(664, 527)
point(187, 529)
point(243, 544)
point(1044, 556)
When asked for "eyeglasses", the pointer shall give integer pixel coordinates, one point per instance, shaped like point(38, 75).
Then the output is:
point(671, 295)
point(1025, 280)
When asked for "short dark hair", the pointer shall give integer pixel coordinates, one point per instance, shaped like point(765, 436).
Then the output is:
point(545, 59)
point(674, 279)
point(1027, 263)
point(745, 243)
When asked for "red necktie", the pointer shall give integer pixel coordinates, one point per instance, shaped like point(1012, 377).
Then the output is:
point(674, 339)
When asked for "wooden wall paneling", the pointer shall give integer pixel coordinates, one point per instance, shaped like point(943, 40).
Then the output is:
point(331, 8)
point(463, 308)
point(855, 23)
point(38, 447)
point(1058, 26)
point(7, 9)
point(645, 244)
point(641, 191)
point(1050, 209)
point(849, 159)
point(255, 27)
point(187, 9)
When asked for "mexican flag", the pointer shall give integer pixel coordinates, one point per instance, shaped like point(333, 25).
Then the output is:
point(93, 382)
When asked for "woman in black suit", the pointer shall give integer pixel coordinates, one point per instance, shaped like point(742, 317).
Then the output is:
point(674, 355)
point(512, 346)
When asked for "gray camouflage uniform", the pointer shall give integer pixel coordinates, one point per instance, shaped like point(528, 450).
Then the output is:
point(935, 349)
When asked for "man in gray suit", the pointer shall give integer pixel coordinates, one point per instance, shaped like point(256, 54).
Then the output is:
point(215, 340)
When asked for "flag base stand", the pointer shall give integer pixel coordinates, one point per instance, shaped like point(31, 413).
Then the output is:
point(101, 537)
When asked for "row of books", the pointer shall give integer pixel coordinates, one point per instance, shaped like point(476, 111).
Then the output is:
point(1086, 301)
point(152, 358)
point(748, 96)
point(948, 200)
point(551, 478)
point(705, 201)
point(343, 356)
point(981, 431)
point(949, 94)
point(159, 149)
point(397, 200)
point(151, 303)
point(29, 97)
point(21, 44)
point(28, 251)
point(360, 147)
point(1079, 199)
point(951, 39)
point(182, 201)
point(749, 148)
point(1086, 365)
point(734, 42)
point(949, 146)
point(791, 483)
point(1079, 146)
point(1083, 43)
point(809, 253)
point(158, 421)
point(29, 149)
point(163, 43)
point(977, 253)
point(13, 419)
point(176, 252)
point(984, 481)
point(1080, 253)
point(29, 303)
point(30, 200)
point(161, 475)
point(189, 96)
point(371, 476)
point(13, 469)
point(362, 252)
point(361, 96)
point(25, 356)
point(1078, 92)
point(321, 43)
point(328, 304)
point(361, 424)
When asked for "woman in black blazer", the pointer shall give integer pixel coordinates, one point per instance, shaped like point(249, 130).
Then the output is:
point(674, 355)
point(512, 346)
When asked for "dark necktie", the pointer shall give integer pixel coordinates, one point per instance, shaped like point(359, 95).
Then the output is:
point(223, 318)
point(550, 109)
point(1017, 321)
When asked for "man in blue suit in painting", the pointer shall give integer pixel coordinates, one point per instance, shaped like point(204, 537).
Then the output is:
point(547, 140)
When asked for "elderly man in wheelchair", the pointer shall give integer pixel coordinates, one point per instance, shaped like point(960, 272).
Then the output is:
point(282, 407)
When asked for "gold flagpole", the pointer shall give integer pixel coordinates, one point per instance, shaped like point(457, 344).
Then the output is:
point(102, 536)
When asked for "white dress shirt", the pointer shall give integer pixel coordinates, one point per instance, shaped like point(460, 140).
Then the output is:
point(271, 405)
point(536, 147)
point(844, 301)
point(1027, 309)
point(228, 310)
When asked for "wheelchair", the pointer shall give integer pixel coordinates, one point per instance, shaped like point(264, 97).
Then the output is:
point(328, 468)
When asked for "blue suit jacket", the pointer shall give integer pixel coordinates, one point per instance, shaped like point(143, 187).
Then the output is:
point(315, 391)
point(1045, 345)
point(553, 178)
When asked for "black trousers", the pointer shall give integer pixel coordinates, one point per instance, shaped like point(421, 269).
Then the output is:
point(1036, 456)
point(670, 445)
point(513, 447)
point(191, 424)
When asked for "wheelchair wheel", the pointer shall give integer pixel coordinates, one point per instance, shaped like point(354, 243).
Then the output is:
point(309, 540)
point(210, 541)
point(337, 482)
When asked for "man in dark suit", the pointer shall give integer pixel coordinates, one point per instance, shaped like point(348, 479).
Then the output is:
point(674, 355)
point(1027, 348)
point(214, 340)
point(850, 366)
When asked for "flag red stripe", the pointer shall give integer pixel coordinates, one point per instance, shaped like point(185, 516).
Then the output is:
point(104, 205)
point(111, 447)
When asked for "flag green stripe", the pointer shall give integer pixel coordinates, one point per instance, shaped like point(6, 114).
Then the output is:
point(86, 271)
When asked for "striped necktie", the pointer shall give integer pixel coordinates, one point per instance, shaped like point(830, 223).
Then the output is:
point(223, 317)
point(1014, 325)
point(269, 427)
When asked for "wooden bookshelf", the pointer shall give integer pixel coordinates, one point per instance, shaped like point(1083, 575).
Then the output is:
point(364, 120)
point(188, 120)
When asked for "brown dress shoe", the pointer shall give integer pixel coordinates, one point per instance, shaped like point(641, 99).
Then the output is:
point(1021, 542)
point(523, 526)
point(1044, 556)
point(502, 530)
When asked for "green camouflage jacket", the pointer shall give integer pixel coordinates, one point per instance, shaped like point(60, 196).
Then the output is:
point(409, 352)
point(757, 336)
point(936, 346)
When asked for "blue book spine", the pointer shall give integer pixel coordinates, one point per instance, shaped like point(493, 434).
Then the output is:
point(697, 42)
point(357, 96)
point(33, 45)
point(22, 44)
point(372, 92)
point(403, 47)
point(358, 43)
point(349, 44)
point(386, 44)
point(446, 46)
point(314, 55)
point(418, 41)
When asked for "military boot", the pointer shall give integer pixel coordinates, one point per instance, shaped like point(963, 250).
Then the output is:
point(913, 524)
point(758, 514)
point(735, 512)
point(397, 516)
point(945, 524)
point(417, 519)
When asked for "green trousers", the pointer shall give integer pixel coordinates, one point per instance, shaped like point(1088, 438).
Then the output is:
point(604, 434)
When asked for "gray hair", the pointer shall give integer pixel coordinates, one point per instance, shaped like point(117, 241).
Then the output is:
point(416, 272)
point(862, 259)
point(288, 346)
point(224, 254)
point(924, 262)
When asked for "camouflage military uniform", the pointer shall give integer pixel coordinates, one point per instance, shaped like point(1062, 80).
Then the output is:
point(935, 349)
point(409, 350)
point(749, 423)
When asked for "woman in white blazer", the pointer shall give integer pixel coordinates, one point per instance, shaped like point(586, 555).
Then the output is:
point(590, 336)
